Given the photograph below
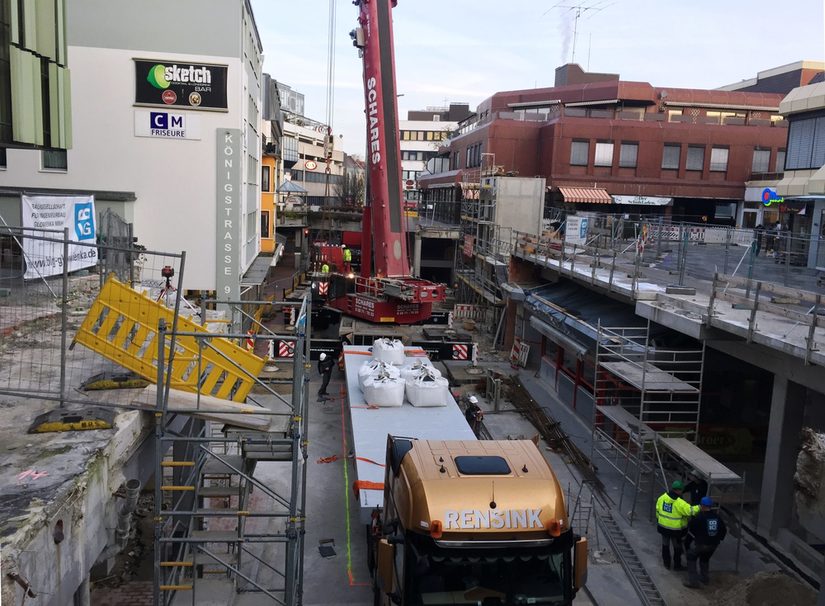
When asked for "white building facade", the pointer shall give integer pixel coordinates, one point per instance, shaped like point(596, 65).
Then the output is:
point(166, 121)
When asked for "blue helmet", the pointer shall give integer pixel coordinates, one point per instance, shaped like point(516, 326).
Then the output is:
point(706, 502)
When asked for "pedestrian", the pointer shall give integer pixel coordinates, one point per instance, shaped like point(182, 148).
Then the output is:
point(759, 233)
point(672, 515)
point(325, 365)
point(705, 531)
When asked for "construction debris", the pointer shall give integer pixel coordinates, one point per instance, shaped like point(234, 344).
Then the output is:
point(810, 470)
point(766, 589)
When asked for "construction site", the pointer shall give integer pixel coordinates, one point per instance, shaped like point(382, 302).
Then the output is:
point(459, 371)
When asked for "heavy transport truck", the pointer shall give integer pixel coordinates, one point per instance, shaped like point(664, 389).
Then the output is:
point(455, 520)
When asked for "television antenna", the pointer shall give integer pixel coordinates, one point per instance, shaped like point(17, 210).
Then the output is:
point(582, 8)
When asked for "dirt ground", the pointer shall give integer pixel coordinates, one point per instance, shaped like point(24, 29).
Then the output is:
point(766, 589)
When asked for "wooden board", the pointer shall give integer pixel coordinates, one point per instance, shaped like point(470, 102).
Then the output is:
point(625, 421)
point(209, 408)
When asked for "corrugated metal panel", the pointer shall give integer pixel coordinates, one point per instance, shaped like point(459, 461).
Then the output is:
point(25, 107)
point(46, 34)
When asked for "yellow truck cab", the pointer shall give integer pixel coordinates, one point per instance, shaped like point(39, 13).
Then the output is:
point(473, 522)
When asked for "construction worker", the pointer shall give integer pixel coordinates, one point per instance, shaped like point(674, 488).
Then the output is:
point(325, 366)
point(347, 259)
point(325, 268)
point(705, 531)
point(672, 515)
point(473, 414)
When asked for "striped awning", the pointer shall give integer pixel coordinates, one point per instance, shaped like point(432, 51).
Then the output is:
point(585, 195)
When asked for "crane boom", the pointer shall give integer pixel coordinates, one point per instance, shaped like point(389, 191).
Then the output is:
point(384, 153)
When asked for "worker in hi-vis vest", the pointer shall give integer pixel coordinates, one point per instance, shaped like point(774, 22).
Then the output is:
point(672, 516)
point(347, 260)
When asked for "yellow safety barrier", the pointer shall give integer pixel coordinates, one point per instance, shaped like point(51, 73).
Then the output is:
point(122, 326)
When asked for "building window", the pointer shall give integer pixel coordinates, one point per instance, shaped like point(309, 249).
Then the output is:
point(673, 115)
point(780, 161)
point(806, 144)
point(761, 161)
point(695, 158)
point(719, 159)
point(265, 182)
point(579, 151)
point(456, 162)
point(604, 154)
point(671, 156)
point(265, 224)
point(628, 155)
point(54, 159)
point(3, 162)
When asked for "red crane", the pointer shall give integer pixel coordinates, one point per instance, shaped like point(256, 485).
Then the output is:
point(391, 293)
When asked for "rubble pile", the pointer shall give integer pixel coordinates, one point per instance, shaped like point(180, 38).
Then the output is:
point(766, 589)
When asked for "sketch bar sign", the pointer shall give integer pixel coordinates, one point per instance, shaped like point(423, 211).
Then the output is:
point(174, 84)
point(228, 280)
point(52, 213)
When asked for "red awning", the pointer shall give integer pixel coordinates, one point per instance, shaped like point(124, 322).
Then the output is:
point(585, 195)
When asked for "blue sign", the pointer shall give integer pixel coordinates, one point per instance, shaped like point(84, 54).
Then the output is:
point(583, 229)
point(165, 121)
point(769, 197)
point(84, 221)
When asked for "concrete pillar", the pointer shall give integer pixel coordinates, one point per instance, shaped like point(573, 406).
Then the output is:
point(816, 250)
point(787, 412)
point(417, 255)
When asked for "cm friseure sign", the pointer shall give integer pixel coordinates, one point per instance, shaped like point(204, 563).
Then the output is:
point(179, 84)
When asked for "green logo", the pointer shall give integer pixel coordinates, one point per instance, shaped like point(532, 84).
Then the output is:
point(157, 77)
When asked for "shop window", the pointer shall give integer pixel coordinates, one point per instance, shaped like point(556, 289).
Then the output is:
point(719, 159)
point(671, 156)
point(761, 161)
point(579, 151)
point(265, 224)
point(695, 158)
point(806, 144)
point(54, 159)
point(265, 181)
point(604, 154)
point(628, 155)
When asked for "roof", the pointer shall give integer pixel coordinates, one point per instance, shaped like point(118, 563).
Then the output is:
point(290, 187)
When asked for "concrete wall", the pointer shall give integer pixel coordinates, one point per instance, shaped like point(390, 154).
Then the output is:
point(89, 514)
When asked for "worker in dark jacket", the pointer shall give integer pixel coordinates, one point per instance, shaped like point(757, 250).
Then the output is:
point(325, 365)
point(672, 515)
point(705, 531)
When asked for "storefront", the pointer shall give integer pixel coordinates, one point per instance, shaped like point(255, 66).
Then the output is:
point(755, 210)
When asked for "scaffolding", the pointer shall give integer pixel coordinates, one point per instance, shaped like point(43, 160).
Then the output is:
point(213, 535)
point(643, 394)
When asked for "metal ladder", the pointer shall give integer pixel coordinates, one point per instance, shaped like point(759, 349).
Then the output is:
point(637, 574)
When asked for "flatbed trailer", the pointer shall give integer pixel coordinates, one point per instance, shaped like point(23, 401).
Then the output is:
point(370, 426)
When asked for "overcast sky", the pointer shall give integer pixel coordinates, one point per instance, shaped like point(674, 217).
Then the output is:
point(466, 50)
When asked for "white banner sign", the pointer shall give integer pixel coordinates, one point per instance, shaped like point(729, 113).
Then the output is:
point(166, 125)
point(642, 200)
point(576, 231)
point(77, 213)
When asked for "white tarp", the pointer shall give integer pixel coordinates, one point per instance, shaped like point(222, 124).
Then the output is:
point(45, 258)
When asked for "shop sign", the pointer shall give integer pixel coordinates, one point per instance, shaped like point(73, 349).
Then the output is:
point(190, 85)
point(166, 125)
point(228, 247)
point(769, 197)
point(642, 200)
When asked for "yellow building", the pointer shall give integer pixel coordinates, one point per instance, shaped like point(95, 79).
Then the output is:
point(269, 172)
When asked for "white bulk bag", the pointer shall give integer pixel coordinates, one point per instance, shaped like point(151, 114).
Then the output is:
point(390, 351)
point(410, 371)
point(375, 367)
point(427, 390)
point(383, 390)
